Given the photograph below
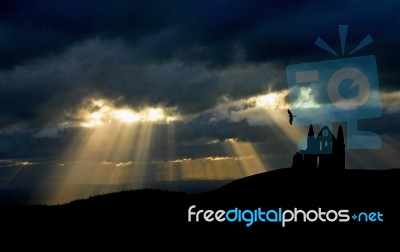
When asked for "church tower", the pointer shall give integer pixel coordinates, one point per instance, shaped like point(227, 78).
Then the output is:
point(339, 149)
point(324, 152)
point(311, 157)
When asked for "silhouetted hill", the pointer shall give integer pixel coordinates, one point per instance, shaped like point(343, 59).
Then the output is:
point(164, 214)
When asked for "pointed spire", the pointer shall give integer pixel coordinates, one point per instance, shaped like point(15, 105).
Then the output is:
point(311, 131)
point(340, 136)
point(311, 147)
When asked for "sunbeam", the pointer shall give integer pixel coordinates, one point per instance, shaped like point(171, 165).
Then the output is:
point(248, 159)
point(111, 149)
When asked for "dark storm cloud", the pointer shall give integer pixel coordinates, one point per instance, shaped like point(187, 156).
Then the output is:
point(54, 54)
point(31, 29)
point(42, 92)
point(206, 30)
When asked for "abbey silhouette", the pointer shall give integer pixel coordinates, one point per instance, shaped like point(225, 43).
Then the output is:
point(324, 152)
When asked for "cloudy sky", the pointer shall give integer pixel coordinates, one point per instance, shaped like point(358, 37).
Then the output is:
point(108, 95)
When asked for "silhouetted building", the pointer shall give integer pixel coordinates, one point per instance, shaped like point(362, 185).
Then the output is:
point(324, 151)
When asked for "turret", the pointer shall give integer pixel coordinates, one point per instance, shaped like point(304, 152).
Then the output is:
point(340, 137)
point(340, 152)
point(311, 147)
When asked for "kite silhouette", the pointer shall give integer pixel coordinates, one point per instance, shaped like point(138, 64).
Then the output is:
point(290, 116)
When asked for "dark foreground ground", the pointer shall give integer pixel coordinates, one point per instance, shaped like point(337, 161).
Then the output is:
point(161, 217)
